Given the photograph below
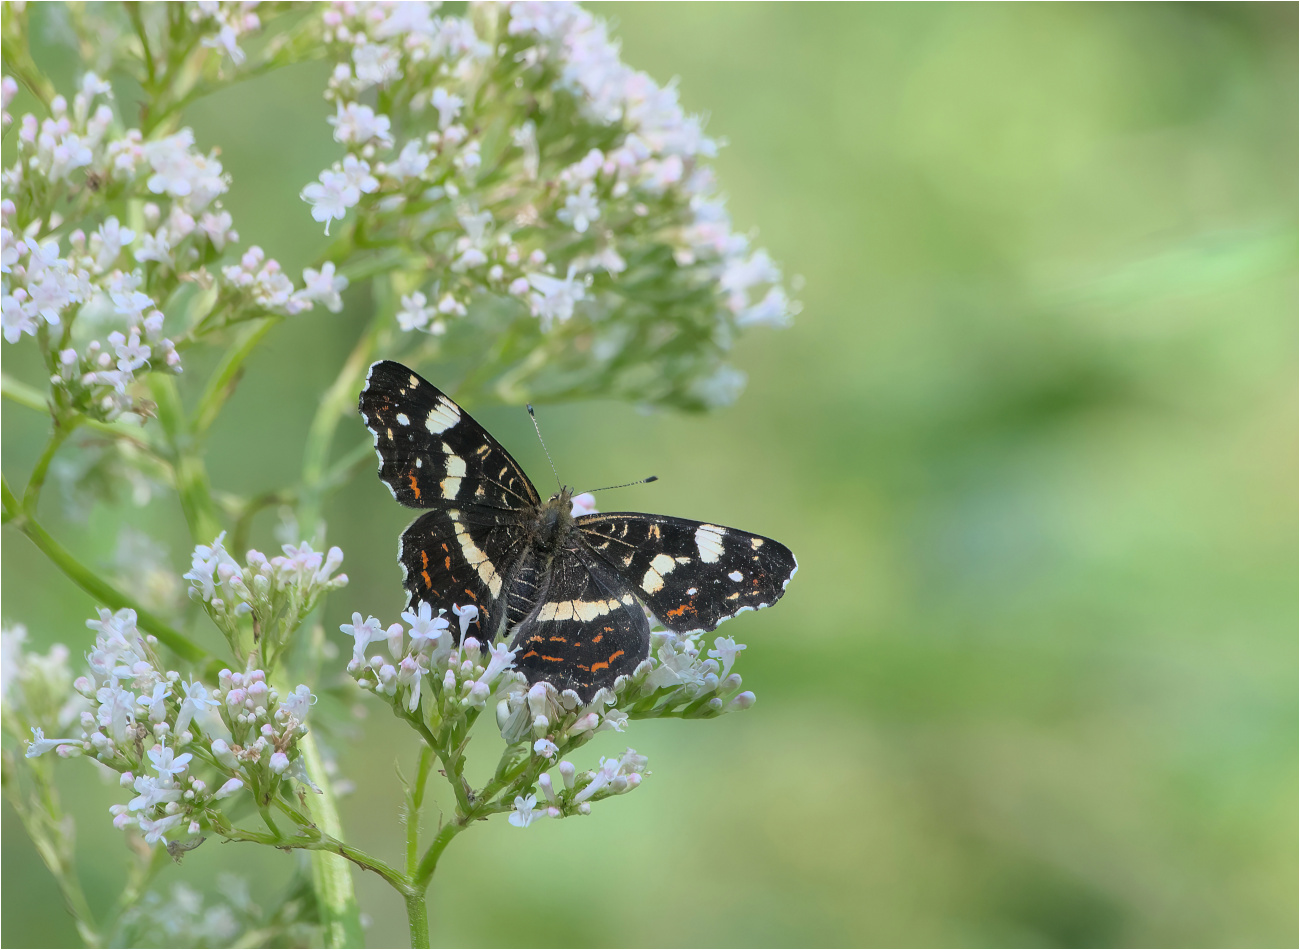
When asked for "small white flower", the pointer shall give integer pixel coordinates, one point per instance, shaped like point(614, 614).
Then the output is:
point(526, 811)
point(331, 197)
point(232, 787)
point(322, 286)
point(467, 614)
point(156, 830)
point(584, 504)
point(358, 124)
point(448, 106)
point(167, 763)
point(581, 209)
point(425, 627)
point(725, 650)
point(415, 312)
point(411, 162)
point(546, 748)
point(363, 633)
point(39, 745)
point(554, 299)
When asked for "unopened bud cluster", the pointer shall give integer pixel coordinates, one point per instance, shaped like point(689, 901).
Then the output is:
point(275, 594)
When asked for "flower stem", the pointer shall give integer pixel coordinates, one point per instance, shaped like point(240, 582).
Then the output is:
point(106, 594)
point(333, 404)
point(417, 915)
point(226, 376)
point(331, 877)
point(32, 495)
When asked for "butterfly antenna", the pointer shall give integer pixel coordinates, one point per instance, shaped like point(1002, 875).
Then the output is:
point(639, 481)
point(532, 415)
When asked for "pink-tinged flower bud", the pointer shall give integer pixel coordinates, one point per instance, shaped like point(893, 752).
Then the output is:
point(279, 762)
point(633, 781)
point(228, 789)
point(567, 771)
point(222, 752)
point(544, 783)
point(195, 828)
point(586, 723)
point(537, 699)
point(742, 701)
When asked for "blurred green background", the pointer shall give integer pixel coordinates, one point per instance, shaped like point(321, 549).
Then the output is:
point(1033, 439)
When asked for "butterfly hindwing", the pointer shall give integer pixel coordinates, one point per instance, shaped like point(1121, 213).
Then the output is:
point(431, 453)
point(692, 575)
point(586, 629)
point(444, 555)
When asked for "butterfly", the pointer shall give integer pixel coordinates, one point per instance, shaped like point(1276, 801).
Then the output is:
point(568, 590)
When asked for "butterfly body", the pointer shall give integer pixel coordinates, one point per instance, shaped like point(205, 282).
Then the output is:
point(567, 590)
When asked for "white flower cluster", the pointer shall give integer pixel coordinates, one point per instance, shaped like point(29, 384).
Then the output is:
point(276, 593)
point(142, 715)
point(227, 22)
point(614, 776)
point(427, 664)
point(269, 288)
point(519, 151)
point(96, 288)
point(36, 690)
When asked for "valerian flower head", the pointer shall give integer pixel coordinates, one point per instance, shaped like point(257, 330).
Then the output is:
point(633, 183)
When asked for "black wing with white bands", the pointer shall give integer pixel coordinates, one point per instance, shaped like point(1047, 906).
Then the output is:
point(586, 629)
point(691, 575)
point(431, 453)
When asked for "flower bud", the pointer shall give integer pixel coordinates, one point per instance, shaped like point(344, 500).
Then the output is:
point(279, 762)
point(567, 771)
point(228, 789)
point(742, 701)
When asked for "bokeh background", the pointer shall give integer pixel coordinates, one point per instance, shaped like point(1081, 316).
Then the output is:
point(1033, 439)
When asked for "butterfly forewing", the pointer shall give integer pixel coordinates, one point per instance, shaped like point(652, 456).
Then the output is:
point(692, 575)
point(431, 453)
point(586, 629)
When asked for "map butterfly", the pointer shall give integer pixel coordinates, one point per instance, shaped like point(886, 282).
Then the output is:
point(567, 589)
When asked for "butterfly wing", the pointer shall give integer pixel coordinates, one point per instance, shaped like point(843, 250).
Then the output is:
point(432, 455)
point(586, 628)
point(691, 575)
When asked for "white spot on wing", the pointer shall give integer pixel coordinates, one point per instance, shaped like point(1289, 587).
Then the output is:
point(736, 576)
point(403, 419)
point(708, 540)
point(442, 416)
point(653, 582)
point(663, 564)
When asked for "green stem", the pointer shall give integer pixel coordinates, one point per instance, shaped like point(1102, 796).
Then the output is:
point(21, 393)
point(341, 396)
point(226, 376)
point(32, 495)
point(191, 474)
point(331, 878)
point(429, 863)
point(105, 593)
point(414, 801)
point(417, 915)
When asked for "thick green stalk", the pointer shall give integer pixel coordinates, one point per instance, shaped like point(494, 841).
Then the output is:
point(331, 877)
point(191, 474)
point(417, 915)
point(340, 397)
point(226, 376)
